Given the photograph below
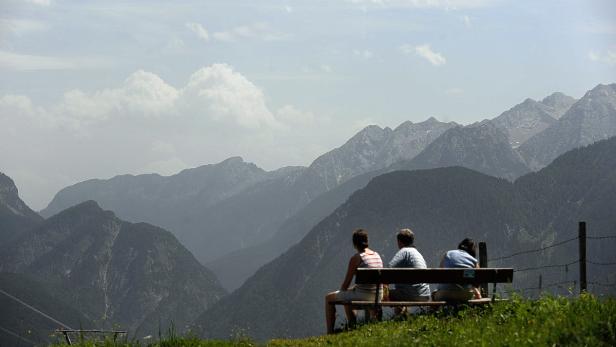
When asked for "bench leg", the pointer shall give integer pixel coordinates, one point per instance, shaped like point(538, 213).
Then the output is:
point(330, 312)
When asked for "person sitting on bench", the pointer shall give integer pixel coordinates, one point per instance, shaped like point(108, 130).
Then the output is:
point(408, 257)
point(364, 258)
point(463, 257)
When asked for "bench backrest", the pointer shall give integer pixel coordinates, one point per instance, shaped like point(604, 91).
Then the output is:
point(410, 276)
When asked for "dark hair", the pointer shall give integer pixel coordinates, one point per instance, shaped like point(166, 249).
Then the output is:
point(406, 237)
point(360, 239)
point(469, 246)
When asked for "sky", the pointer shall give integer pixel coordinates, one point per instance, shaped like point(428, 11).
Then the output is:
point(93, 89)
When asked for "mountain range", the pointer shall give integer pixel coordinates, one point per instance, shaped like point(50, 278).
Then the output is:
point(201, 205)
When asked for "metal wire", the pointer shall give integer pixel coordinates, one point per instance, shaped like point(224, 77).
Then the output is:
point(546, 266)
point(535, 250)
point(34, 309)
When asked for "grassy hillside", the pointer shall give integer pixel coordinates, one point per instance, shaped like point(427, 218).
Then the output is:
point(550, 321)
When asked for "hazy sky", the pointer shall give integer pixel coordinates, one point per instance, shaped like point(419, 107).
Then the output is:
point(91, 89)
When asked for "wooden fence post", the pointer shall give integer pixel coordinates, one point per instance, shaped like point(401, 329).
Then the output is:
point(483, 263)
point(582, 243)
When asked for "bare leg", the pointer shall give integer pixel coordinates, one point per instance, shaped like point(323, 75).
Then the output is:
point(330, 312)
point(351, 319)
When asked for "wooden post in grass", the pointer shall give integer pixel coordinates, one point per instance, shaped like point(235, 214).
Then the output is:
point(582, 243)
point(483, 263)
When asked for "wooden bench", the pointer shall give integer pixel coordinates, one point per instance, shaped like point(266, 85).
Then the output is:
point(475, 277)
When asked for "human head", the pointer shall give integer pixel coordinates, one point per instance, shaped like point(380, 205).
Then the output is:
point(360, 239)
point(405, 237)
point(469, 246)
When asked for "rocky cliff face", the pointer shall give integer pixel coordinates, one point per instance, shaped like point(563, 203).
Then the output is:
point(15, 216)
point(590, 119)
point(481, 147)
point(374, 148)
point(531, 117)
point(559, 104)
point(524, 121)
point(135, 275)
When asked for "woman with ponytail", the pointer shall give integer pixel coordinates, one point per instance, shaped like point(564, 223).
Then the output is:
point(364, 258)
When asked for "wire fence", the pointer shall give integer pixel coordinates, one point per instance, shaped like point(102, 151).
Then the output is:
point(567, 284)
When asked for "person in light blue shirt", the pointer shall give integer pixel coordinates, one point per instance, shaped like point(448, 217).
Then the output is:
point(463, 257)
point(408, 257)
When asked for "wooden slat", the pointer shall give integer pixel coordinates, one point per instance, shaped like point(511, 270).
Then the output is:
point(410, 276)
point(481, 301)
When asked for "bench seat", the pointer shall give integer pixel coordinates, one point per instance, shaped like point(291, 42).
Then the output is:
point(472, 302)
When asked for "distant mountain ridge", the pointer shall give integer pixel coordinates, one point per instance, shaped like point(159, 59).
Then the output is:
point(135, 275)
point(144, 197)
point(201, 216)
point(375, 148)
point(590, 119)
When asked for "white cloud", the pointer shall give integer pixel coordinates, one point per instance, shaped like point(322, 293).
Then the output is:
point(216, 93)
point(366, 54)
point(199, 30)
point(16, 61)
point(226, 95)
point(288, 8)
point(609, 57)
point(260, 31)
point(425, 52)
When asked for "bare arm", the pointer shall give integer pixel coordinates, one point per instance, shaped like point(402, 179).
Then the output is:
point(353, 264)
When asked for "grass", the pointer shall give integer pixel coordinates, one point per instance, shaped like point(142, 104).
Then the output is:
point(549, 321)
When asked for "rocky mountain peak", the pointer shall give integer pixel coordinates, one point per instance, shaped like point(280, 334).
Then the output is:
point(430, 120)
point(558, 104)
point(7, 187)
point(557, 98)
point(590, 119)
point(9, 198)
point(602, 90)
point(370, 133)
point(481, 146)
point(524, 120)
